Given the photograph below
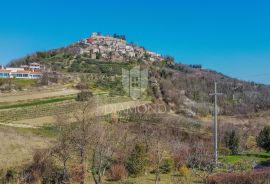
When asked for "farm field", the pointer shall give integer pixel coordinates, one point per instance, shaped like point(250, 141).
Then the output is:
point(41, 111)
point(27, 123)
point(36, 95)
point(35, 117)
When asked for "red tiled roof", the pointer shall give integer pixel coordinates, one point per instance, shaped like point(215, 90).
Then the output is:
point(5, 71)
point(21, 71)
point(36, 73)
point(89, 40)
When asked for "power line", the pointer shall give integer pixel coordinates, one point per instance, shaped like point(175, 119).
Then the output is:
point(256, 75)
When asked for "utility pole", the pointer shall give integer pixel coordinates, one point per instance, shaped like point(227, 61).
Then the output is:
point(216, 94)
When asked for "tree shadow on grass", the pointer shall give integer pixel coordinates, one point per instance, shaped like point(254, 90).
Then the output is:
point(256, 155)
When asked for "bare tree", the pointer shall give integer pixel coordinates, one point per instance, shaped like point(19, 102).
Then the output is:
point(201, 160)
point(108, 141)
point(81, 133)
point(63, 148)
point(157, 157)
point(157, 138)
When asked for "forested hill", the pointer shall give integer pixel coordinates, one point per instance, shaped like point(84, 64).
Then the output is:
point(185, 88)
point(239, 97)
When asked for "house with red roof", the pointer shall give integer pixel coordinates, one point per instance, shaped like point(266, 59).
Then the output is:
point(5, 73)
point(19, 73)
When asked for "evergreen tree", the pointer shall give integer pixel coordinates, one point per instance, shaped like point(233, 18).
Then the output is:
point(137, 160)
point(263, 140)
point(232, 142)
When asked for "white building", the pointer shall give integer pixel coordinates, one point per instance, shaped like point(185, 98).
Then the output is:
point(34, 66)
point(19, 73)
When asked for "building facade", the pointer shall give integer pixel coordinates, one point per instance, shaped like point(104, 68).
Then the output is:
point(20, 73)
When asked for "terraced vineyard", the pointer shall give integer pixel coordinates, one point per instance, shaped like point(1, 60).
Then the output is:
point(8, 116)
point(50, 109)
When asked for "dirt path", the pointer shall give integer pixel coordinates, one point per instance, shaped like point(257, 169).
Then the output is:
point(17, 125)
point(36, 95)
point(102, 110)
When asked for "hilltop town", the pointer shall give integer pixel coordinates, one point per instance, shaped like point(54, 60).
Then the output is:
point(98, 47)
point(111, 48)
point(115, 48)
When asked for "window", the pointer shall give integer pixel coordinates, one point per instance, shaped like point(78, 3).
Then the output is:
point(4, 75)
point(135, 82)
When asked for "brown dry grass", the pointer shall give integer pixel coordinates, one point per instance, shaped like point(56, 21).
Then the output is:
point(17, 148)
point(35, 122)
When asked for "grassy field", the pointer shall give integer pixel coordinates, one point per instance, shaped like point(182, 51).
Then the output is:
point(20, 83)
point(44, 131)
point(35, 102)
point(35, 111)
point(17, 147)
point(37, 94)
point(256, 156)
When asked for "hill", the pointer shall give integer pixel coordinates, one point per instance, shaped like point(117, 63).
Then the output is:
point(97, 47)
point(184, 88)
point(171, 146)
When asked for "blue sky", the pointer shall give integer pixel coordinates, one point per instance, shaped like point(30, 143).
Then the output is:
point(229, 36)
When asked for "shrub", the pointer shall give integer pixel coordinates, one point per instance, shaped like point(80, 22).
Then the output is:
point(184, 171)
point(224, 151)
point(82, 86)
point(77, 173)
point(137, 160)
point(254, 177)
point(84, 95)
point(263, 140)
point(232, 141)
point(117, 172)
point(42, 170)
point(8, 176)
point(266, 163)
point(166, 166)
point(201, 157)
point(243, 165)
point(181, 156)
point(251, 143)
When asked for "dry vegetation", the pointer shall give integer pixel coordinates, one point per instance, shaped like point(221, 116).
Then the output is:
point(88, 148)
point(17, 148)
point(170, 148)
point(103, 142)
point(18, 96)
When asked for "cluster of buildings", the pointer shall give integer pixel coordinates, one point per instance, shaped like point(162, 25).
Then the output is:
point(31, 71)
point(115, 49)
